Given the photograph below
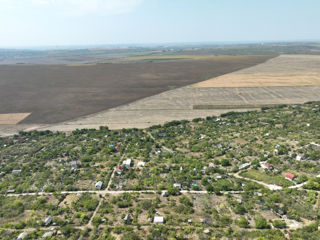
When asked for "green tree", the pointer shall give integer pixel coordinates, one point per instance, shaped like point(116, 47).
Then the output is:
point(243, 222)
point(261, 223)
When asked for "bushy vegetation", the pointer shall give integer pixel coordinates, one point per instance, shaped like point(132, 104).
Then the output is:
point(228, 163)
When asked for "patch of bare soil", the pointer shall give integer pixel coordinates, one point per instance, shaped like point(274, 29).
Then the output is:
point(57, 93)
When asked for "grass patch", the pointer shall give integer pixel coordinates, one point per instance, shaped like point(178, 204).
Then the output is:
point(269, 179)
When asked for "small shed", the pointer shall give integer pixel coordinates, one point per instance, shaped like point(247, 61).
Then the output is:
point(98, 185)
point(18, 171)
point(245, 165)
point(127, 218)
point(48, 234)
point(22, 236)
point(212, 165)
point(48, 221)
point(177, 185)
point(265, 165)
point(119, 170)
point(127, 162)
point(158, 220)
point(141, 164)
point(164, 194)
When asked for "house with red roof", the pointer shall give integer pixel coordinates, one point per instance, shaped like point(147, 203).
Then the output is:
point(118, 170)
point(290, 176)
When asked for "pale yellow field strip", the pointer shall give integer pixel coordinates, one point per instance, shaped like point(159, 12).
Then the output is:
point(12, 118)
point(261, 80)
point(179, 57)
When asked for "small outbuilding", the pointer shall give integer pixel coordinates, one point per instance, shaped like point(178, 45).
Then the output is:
point(119, 170)
point(290, 176)
point(98, 185)
point(244, 166)
point(18, 171)
point(265, 165)
point(48, 234)
point(127, 162)
point(22, 236)
point(127, 218)
point(158, 220)
point(164, 194)
point(47, 221)
point(141, 164)
point(212, 165)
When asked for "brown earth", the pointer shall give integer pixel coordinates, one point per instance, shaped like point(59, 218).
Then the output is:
point(56, 93)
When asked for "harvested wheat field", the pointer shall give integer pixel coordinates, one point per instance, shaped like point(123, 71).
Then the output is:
point(12, 118)
point(285, 70)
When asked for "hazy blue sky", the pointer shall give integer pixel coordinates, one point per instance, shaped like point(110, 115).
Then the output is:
point(89, 22)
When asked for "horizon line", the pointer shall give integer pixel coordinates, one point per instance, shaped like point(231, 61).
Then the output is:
point(151, 44)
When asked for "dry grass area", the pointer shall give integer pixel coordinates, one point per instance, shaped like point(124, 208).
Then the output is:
point(12, 118)
point(180, 57)
point(261, 80)
point(68, 200)
point(287, 64)
point(180, 104)
point(285, 70)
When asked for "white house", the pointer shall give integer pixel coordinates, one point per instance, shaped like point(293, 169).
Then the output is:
point(127, 218)
point(141, 164)
point(127, 162)
point(98, 185)
point(48, 221)
point(16, 171)
point(22, 236)
point(274, 187)
point(48, 234)
point(177, 185)
point(164, 194)
point(265, 165)
point(245, 165)
point(158, 220)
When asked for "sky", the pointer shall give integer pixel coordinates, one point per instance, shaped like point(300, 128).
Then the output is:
point(28, 23)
